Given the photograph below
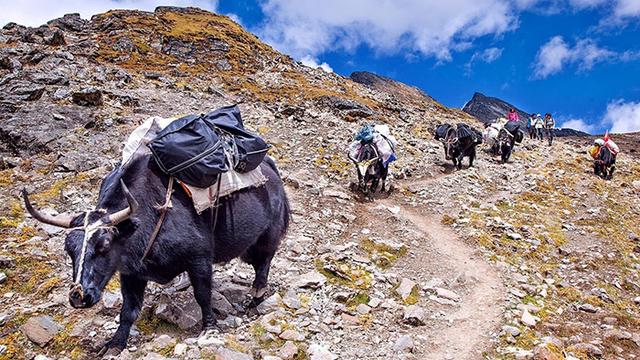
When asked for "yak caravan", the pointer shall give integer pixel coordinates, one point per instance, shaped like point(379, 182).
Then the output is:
point(174, 187)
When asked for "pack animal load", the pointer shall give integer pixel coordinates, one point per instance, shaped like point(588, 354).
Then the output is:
point(598, 144)
point(196, 149)
point(378, 135)
point(210, 155)
point(513, 128)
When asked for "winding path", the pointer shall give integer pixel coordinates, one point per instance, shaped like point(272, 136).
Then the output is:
point(479, 311)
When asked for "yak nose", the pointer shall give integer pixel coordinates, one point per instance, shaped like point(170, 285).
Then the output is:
point(76, 297)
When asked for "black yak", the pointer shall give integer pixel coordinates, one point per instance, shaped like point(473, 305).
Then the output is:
point(458, 142)
point(113, 237)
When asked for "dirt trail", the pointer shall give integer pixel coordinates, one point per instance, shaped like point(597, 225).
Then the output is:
point(479, 310)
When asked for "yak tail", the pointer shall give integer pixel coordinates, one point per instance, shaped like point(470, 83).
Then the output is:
point(286, 216)
point(286, 207)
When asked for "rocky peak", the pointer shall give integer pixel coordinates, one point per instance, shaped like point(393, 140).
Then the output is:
point(487, 109)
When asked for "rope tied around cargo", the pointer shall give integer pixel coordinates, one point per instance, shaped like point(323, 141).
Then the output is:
point(163, 212)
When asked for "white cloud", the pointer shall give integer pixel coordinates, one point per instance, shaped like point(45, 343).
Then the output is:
point(586, 53)
point(556, 53)
point(627, 8)
point(432, 28)
point(551, 57)
point(38, 12)
point(313, 62)
point(235, 18)
point(622, 117)
point(583, 4)
point(487, 55)
point(579, 124)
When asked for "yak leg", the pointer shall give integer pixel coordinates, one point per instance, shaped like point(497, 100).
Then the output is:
point(132, 289)
point(200, 276)
point(472, 156)
point(384, 173)
point(260, 256)
point(374, 184)
point(359, 178)
point(259, 287)
point(505, 153)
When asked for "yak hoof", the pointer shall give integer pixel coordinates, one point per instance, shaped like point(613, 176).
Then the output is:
point(209, 330)
point(109, 350)
point(257, 293)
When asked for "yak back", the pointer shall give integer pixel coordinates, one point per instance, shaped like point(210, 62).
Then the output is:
point(441, 131)
point(512, 127)
point(465, 131)
point(244, 217)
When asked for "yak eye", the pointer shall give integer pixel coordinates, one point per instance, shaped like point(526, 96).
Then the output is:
point(103, 244)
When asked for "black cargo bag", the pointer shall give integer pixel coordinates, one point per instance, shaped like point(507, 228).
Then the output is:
point(465, 131)
point(519, 136)
point(249, 149)
point(512, 127)
point(441, 131)
point(190, 150)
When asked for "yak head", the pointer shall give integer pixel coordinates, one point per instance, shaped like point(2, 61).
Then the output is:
point(367, 158)
point(90, 244)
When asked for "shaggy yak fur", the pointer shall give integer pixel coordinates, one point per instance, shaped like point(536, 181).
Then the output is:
point(250, 225)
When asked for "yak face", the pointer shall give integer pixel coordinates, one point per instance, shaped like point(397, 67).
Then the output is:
point(367, 158)
point(94, 258)
point(451, 144)
point(91, 246)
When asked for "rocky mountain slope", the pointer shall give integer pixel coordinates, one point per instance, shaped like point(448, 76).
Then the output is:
point(523, 260)
point(488, 109)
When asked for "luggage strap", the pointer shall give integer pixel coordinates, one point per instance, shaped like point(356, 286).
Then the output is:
point(163, 212)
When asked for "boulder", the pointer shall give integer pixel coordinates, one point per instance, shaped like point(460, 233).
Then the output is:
point(288, 351)
point(414, 315)
point(70, 22)
point(181, 308)
point(312, 279)
point(405, 288)
point(292, 335)
point(56, 39)
point(447, 294)
point(88, 97)
point(40, 329)
point(227, 354)
point(403, 344)
point(26, 91)
point(270, 304)
point(319, 352)
point(528, 319)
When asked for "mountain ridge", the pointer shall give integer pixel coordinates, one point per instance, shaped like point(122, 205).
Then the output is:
point(487, 109)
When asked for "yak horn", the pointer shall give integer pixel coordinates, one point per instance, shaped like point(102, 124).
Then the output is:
point(63, 221)
point(125, 213)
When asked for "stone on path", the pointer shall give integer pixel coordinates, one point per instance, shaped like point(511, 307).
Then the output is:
point(41, 329)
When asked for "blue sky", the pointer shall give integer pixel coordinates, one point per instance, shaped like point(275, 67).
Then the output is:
point(578, 59)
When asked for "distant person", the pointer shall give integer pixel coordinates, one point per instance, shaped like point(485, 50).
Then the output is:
point(549, 125)
point(513, 115)
point(530, 128)
point(538, 125)
point(604, 152)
